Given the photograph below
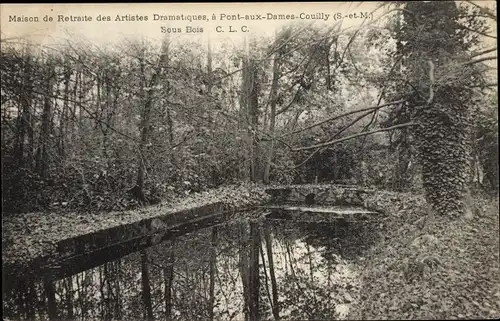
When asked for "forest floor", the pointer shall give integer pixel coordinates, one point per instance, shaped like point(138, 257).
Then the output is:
point(434, 269)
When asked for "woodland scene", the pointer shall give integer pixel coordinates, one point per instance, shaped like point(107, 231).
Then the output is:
point(318, 172)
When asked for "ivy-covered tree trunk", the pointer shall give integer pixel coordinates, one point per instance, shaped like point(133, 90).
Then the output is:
point(441, 100)
point(443, 139)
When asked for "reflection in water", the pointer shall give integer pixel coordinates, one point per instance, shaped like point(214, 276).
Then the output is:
point(240, 270)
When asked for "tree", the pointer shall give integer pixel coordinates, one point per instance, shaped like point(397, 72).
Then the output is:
point(249, 105)
point(146, 287)
point(145, 126)
point(485, 145)
point(442, 97)
point(253, 272)
point(213, 267)
point(168, 275)
point(270, 259)
point(273, 95)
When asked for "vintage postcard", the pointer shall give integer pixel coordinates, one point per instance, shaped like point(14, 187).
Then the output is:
point(250, 161)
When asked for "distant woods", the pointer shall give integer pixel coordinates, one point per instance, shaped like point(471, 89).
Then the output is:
point(86, 127)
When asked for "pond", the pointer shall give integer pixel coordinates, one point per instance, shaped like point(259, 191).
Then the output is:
point(242, 269)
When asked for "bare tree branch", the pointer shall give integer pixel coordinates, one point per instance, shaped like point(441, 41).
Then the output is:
point(478, 32)
point(354, 136)
point(334, 136)
point(480, 53)
point(495, 84)
point(339, 33)
point(345, 114)
point(484, 10)
point(381, 96)
point(431, 79)
point(475, 61)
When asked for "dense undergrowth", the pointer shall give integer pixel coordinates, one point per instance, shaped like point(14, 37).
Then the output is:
point(429, 267)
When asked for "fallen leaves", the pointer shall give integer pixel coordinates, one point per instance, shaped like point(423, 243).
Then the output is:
point(460, 274)
point(32, 235)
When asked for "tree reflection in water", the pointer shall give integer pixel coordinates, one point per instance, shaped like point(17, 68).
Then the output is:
point(239, 270)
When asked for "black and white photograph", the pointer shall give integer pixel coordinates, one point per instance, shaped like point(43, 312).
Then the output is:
point(250, 161)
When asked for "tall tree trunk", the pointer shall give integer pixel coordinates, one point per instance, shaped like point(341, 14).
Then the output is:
point(145, 127)
point(328, 70)
point(146, 288)
point(102, 306)
point(79, 291)
point(311, 269)
point(64, 113)
point(243, 117)
point(253, 272)
point(75, 97)
point(69, 297)
point(249, 108)
point(50, 293)
point(168, 275)
point(24, 121)
point(270, 259)
point(272, 118)
point(108, 117)
point(170, 125)
point(20, 137)
point(118, 302)
point(30, 158)
point(213, 267)
point(253, 113)
point(209, 68)
point(170, 121)
point(43, 154)
point(243, 265)
point(21, 301)
point(80, 121)
point(31, 301)
point(444, 116)
point(107, 279)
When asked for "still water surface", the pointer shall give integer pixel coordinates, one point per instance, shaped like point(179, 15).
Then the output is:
point(238, 270)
